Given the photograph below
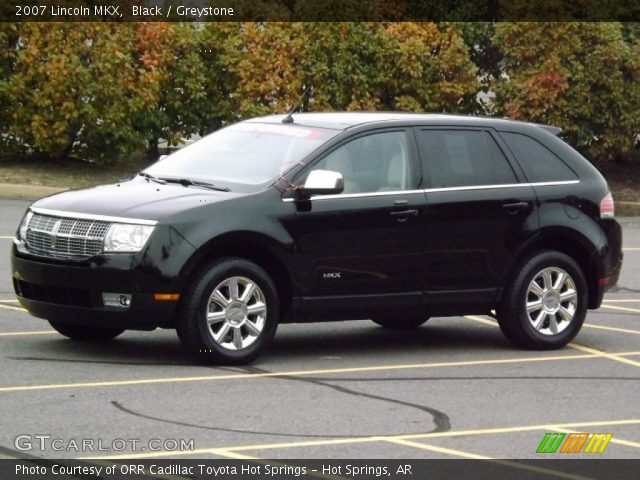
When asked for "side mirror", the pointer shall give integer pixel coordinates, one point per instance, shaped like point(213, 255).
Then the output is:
point(322, 182)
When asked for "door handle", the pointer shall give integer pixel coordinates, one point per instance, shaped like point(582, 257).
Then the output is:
point(404, 213)
point(515, 207)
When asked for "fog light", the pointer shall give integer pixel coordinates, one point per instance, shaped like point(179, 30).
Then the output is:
point(118, 300)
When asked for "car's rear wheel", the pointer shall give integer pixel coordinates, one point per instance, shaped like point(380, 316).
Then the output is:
point(230, 312)
point(545, 306)
point(400, 321)
point(85, 333)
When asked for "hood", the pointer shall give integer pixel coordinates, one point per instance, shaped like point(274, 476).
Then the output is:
point(136, 198)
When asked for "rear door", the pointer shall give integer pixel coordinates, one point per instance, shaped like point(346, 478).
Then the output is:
point(479, 211)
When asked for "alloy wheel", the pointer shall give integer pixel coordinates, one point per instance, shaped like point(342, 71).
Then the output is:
point(236, 313)
point(551, 301)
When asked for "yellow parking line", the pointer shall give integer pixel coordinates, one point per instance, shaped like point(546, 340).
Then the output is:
point(631, 249)
point(620, 441)
point(433, 448)
point(588, 325)
point(525, 428)
point(9, 301)
point(600, 353)
point(226, 453)
point(622, 300)
point(11, 307)
point(4, 237)
point(213, 450)
point(377, 438)
point(475, 456)
point(613, 329)
point(622, 309)
point(37, 332)
point(250, 376)
point(583, 348)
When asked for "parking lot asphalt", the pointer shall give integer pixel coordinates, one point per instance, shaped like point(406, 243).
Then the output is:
point(452, 389)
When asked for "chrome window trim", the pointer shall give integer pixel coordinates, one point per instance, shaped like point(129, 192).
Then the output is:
point(358, 195)
point(506, 185)
point(90, 216)
point(437, 190)
point(551, 184)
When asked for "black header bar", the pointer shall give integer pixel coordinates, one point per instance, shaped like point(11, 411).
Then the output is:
point(263, 469)
point(319, 10)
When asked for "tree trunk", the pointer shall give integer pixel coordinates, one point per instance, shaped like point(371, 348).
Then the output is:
point(154, 150)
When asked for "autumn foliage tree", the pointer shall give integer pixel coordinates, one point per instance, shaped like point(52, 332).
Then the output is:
point(171, 81)
point(582, 77)
point(427, 68)
point(101, 91)
point(72, 88)
point(352, 66)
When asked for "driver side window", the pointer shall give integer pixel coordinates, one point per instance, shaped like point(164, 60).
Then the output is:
point(374, 163)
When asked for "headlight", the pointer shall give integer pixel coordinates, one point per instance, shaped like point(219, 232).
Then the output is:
point(22, 231)
point(124, 237)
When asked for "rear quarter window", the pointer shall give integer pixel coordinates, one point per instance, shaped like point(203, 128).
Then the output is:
point(538, 162)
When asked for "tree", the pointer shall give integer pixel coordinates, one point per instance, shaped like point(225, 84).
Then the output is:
point(428, 68)
point(72, 90)
point(351, 66)
point(582, 77)
point(9, 36)
point(171, 79)
point(483, 52)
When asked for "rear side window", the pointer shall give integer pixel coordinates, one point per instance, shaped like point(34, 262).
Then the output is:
point(538, 162)
point(460, 158)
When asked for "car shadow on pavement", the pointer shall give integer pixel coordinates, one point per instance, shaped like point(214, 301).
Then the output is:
point(292, 342)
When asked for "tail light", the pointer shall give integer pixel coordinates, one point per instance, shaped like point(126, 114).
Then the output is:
point(607, 207)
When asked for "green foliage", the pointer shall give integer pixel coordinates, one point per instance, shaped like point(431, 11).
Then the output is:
point(427, 68)
point(582, 77)
point(484, 53)
point(352, 66)
point(71, 89)
point(171, 82)
point(100, 91)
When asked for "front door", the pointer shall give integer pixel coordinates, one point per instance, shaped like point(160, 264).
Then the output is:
point(362, 249)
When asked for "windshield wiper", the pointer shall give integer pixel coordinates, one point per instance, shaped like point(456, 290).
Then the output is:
point(148, 176)
point(188, 182)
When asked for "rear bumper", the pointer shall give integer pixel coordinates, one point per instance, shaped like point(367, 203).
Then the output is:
point(72, 292)
point(610, 262)
point(604, 285)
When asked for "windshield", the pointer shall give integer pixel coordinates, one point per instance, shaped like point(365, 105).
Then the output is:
point(244, 153)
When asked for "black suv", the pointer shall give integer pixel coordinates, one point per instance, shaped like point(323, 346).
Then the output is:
point(329, 216)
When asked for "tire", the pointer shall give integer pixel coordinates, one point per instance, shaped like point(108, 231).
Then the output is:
point(84, 333)
point(241, 328)
point(555, 288)
point(401, 322)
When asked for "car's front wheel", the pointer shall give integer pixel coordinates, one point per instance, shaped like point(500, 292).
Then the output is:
point(85, 333)
point(545, 306)
point(230, 312)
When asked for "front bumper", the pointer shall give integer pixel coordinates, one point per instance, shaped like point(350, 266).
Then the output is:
point(71, 291)
point(144, 314)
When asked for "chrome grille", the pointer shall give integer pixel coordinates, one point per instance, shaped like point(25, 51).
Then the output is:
point(62, 237)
